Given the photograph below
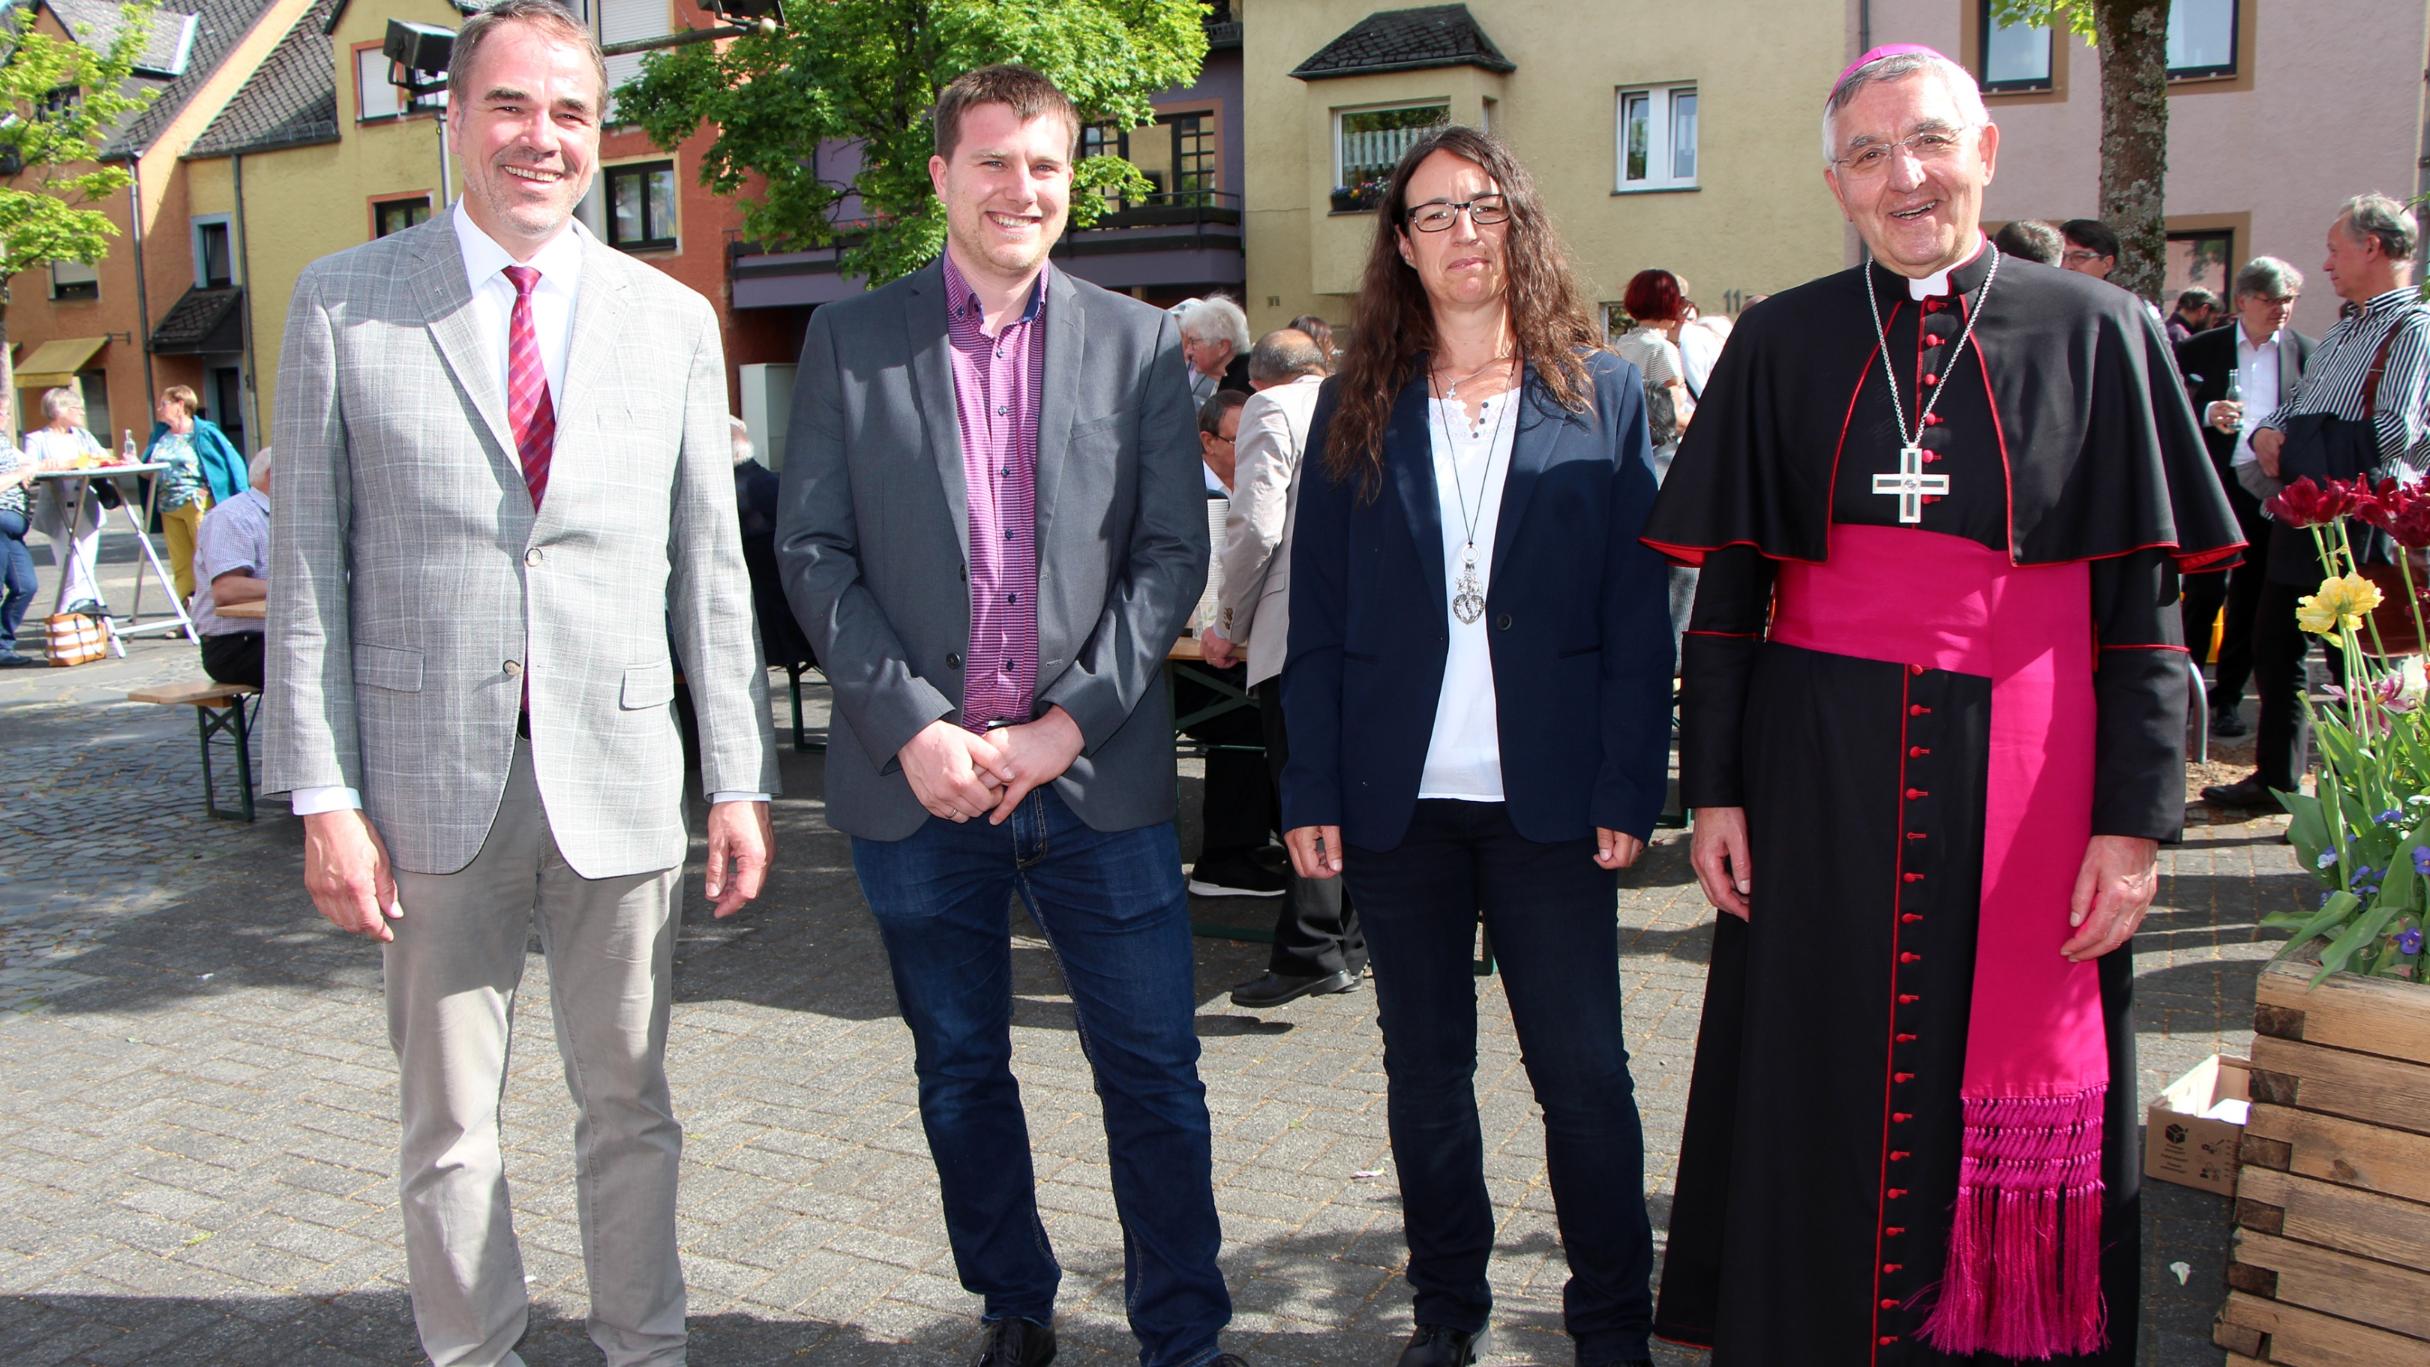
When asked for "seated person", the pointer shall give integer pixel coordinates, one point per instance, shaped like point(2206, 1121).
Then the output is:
point(231, 560)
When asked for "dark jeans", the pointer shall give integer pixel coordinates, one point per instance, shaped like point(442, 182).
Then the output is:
point(1316, 933)
point(234, 658)
point(1112, 905)
point(1555, 927)
point(16, 573)
point(2281, 655)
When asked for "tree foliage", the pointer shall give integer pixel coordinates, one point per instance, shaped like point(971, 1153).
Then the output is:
point(62, 100)
point(2132, 38)
point(863, 73)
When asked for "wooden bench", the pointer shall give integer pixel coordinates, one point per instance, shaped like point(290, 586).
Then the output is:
point(219, 710)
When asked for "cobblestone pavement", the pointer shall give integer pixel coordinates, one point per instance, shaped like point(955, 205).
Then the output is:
point(198, 1128)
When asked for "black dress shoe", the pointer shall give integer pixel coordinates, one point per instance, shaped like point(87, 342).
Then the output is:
point(1229, 1360)
point(1016, 1342)
point(2229, 725)
point(1274, 989)
point(2247, 794)
point(1434, 1346)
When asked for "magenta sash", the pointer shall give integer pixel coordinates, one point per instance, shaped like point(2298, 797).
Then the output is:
point(2023, 1273)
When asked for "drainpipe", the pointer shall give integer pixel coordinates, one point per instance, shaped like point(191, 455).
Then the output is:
point(143, 306)
point(1864, 26)
point(244, 272)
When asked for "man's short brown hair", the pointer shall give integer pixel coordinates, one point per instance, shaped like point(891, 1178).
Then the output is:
point(1030, 94)
point(549, 16)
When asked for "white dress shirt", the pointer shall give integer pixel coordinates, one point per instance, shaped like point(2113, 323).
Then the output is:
point(1464, 754)
point(493, 304)
point(2257, 380)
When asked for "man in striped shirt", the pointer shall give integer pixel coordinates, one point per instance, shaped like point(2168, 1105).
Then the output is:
point(2370, 264)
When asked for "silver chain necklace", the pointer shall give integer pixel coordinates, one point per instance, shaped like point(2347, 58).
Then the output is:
point(1909, 484)
point(1468, 595)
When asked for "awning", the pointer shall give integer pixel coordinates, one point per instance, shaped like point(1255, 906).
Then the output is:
point(202, 322)
point(55, 363)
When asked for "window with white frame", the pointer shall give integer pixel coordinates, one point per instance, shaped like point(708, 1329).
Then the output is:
point(74, 280)
point(1368, 143)
point(1657, 138)
point(2201, 38)
point(376, 97)
point(2015, 56)
point(626, 21)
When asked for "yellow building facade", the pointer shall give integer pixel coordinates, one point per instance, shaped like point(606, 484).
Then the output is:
point(1660, 135)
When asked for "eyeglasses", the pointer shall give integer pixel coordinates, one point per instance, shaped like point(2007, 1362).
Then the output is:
point(1931, 145)
point(1436, 215)
point(2079, 256)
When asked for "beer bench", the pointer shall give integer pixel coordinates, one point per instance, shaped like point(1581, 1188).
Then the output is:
point(219, 710)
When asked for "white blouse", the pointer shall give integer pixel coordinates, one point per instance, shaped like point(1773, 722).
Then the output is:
point(1464, 755)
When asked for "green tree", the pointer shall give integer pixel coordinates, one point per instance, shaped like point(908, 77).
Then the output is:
point(2132, 37)
point(864, 73)
point(62, 100)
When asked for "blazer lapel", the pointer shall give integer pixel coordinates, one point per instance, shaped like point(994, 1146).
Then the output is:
point(1059, 405)
point(446, 299)
point(1531, 449)
point(932, 388)
point(1409, 458)
point(2290, 365)
point(599, 309)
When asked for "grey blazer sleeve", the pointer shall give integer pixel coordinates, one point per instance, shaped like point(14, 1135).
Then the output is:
point(1261, 497)
point(818, 540)
point(709, 587)
point(310, 740)
point(1165, 568)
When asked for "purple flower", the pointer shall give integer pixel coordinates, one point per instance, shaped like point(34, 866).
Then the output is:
point(2421, 860)
point(2363, 873)
point(2410, 942)
point(2393, 814)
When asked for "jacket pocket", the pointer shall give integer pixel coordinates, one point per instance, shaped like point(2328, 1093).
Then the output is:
point(391, 667)
point(651, 685)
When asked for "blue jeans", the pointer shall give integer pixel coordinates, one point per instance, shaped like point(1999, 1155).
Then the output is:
point(1555, 927)
point(1114, 909)
point(16, 573)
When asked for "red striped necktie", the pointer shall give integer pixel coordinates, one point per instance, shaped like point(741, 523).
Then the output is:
point(529, 413)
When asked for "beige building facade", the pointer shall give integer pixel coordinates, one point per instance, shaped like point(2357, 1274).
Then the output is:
point(2279, 111)
point(1661, 135)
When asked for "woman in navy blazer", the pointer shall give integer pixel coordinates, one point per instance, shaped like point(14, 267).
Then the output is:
point(1479, 712)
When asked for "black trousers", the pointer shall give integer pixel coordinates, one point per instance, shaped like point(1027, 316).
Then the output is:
point(1317, 930)
point(234, 658)
point(2281, 651)
point(2239, 592)
point(1241, 807)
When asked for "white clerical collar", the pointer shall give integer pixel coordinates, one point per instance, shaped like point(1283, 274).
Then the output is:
point(1937, 284)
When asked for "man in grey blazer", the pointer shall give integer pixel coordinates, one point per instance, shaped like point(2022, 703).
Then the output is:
point(993, 529)
point(1318, 947)
point(503, 478)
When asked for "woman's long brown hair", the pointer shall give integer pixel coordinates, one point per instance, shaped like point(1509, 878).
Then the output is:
point(1394, 321)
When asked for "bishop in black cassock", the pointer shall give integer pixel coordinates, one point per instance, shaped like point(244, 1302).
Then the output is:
point(1857, 541)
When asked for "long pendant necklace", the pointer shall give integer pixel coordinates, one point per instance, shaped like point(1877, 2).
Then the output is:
point(1909, 484)
point(1468, 595)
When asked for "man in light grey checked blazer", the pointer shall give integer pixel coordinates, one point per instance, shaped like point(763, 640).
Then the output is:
point(504, 474)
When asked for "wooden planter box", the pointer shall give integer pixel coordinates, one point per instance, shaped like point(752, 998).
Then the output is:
point(2331, 1261)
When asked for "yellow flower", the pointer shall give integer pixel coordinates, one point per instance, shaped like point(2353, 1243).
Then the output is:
point(2341, 604)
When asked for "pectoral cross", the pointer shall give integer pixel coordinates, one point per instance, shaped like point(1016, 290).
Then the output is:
point(1909, 484)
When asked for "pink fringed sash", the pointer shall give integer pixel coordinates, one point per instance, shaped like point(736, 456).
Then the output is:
point(2023, 1273)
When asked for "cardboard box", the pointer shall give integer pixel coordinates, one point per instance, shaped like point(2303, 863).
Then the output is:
point(2190, 1135)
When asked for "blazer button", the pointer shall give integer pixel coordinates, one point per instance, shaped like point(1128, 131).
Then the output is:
point(1502, 623)
point(953, 661)
point(514, 669)
point(965, 569)
point(532, 556)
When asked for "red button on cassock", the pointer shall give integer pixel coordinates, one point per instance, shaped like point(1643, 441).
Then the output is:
point(1906, 1039)
point(1898, 1155)
point(1900, 1118)
point(1908, 999)
point(1910, 957)
point(1894, 1267)
point(1902, 1077)
point(1889, 1304)
point(1918, 751)
point(1910, 917)
point(1915, 669)
point(1898, 1193)
point(1911, 877)
point(1930, 378)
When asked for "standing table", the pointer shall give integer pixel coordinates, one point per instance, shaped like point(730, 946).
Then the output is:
point(139, 523)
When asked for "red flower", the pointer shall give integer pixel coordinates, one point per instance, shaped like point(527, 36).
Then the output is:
point(2411, 527)
point(2306, 504)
